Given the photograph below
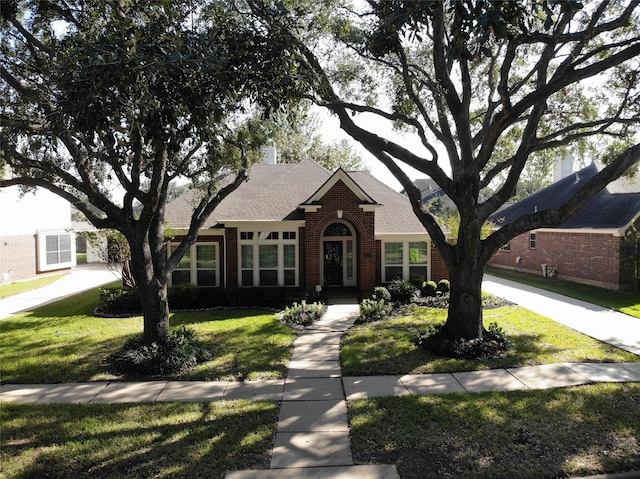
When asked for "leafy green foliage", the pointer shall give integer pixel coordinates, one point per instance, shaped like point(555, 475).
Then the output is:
point(402, 291)
point(181, 352)
point(492, 344)
point(303, 313)
point(428, 288)
point(444, 286)
point(373, 309)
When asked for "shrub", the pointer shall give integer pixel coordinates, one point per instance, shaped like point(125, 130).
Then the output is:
point(493, 344)
point(302, 313)
point(380, 292)
point(428, 288)
point(182, 352)
point(120, 301)
point(444, 286)
point(402, 291)
point(374, 309)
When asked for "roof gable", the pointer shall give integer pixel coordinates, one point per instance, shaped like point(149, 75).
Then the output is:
point(339, 175)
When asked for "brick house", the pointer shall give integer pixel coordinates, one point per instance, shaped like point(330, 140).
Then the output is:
point(299, 226)
point(587, 247)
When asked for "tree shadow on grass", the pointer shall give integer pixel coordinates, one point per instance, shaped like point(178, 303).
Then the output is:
point(526, 434)
point(113, 441)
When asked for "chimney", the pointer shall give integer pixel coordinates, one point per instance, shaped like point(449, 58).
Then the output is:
point(564, 167)
point(269, 154)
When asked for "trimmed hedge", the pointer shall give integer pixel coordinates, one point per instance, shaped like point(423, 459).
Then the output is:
point(122, 301)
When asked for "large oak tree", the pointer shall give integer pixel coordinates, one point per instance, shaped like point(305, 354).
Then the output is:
point(487, 87)
point(107, 103)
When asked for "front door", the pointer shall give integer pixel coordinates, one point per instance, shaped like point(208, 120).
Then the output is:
point(333, 263)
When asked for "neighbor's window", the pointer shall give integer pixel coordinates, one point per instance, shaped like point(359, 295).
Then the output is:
point(56, 250)
point(532, 240)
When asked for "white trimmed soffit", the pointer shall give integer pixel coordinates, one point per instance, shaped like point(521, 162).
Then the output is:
point(263, 225)
point(395, 238)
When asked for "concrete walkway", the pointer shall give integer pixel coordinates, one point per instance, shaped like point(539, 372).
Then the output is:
point(312, 438)
point(81, 278)
point(618, 329)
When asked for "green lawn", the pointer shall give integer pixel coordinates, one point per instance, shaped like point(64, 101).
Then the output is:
point(386, 347)
point(502, 435)
point(17, 287)
point(63, 342)
point(122, 441)
point(625, 302)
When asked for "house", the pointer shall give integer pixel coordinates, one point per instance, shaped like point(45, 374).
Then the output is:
point(35, 234)
point(301, 226)
point(587, 248)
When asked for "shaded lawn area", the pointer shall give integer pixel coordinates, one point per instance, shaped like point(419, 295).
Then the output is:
point(174, 440)
point(625, 302)
point(64, 342)
point(525, 434)
point(386, 347)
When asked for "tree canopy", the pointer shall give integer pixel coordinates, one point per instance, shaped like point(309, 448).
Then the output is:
point(487, 87)
point(107, 103)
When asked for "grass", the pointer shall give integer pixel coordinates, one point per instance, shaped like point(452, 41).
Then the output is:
point(64, 342)
point(174, 440)
point(625, 302)
point(525, 434)
point(17, 287)
point(386, 347)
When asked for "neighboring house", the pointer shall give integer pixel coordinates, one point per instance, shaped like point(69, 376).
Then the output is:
point(35, 234)
point(430, 191)
point(587, 247)
point(301, 226)
point(96, 247)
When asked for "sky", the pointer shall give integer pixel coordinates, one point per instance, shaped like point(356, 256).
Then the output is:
point(331, 131)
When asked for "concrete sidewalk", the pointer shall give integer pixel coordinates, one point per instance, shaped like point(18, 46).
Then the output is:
point(81, 278)
point(604, 324)
point(312, 438)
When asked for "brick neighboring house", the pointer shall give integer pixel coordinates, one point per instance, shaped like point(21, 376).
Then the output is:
point(587, 247)
point(35, 234)
point(298, 226)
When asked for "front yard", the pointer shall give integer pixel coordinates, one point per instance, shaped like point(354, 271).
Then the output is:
point(527, 434)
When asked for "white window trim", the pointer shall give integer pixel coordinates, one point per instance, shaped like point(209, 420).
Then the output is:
point(406, 264)
point(256, 242)
point(193, 271)
point(42, 251)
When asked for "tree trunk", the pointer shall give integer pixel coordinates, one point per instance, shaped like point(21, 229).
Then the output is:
point(466, 270)
point(153, 292)
point(465, 301)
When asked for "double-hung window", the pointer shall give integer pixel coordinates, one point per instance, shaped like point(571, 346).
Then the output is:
point(408, 260)
point(199, 265)
point(268, 258)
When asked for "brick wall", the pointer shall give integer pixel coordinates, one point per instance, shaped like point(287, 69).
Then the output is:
point(438, 267)
point(17, 257)
point(340, 197)
point(591, 258)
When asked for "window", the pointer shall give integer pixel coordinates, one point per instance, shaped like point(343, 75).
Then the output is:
point(56, 250)
point(407, 260)
point(532, 240)
point(199, 265)
point(393, 261)
point(337, 229)
point(418, 261)
point(268, 258)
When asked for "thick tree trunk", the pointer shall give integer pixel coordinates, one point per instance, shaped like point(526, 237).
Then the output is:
point(152, 288)
point(465, 301)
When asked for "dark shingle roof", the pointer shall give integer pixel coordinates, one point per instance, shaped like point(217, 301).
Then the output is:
point(614, 207)
point(275, 192)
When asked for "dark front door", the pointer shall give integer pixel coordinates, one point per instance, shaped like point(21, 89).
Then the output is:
point(333, 263)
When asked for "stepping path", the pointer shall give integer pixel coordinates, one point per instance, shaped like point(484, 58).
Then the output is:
point(312, 439)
